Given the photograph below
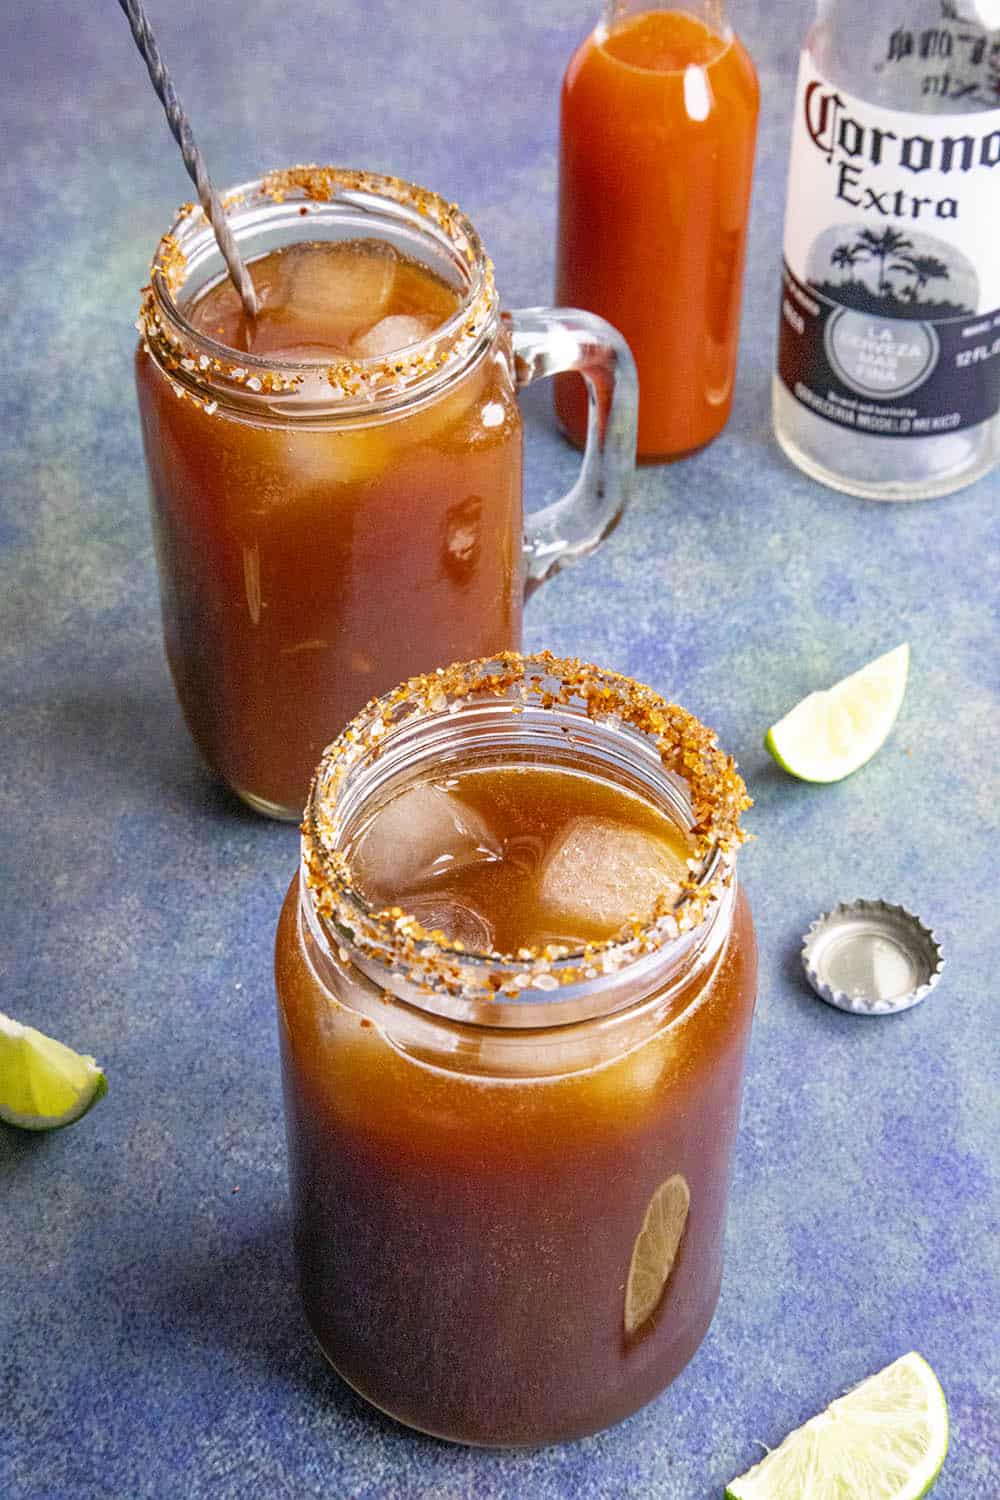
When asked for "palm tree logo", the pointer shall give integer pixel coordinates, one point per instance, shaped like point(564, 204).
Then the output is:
point(891, 255)
point(923, 268)
point(845, 257)
point(880, 247)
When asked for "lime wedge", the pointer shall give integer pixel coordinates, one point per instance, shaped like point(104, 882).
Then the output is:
point(655, 1251)
point(44, 1084)
point(885, 1440)
point(829, 735)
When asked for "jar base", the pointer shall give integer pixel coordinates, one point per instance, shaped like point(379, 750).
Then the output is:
point(543, 1439)
point(273, 810)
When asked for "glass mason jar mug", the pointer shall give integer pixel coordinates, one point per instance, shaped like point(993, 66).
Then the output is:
point(328, 525)
point(509, 1175)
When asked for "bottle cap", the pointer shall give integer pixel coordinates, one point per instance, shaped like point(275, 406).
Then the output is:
point(871, 958)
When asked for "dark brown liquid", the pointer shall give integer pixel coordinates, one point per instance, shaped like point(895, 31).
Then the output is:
point(519, 856)
point(306, 568)
point(464, 1238)
point(321, 300)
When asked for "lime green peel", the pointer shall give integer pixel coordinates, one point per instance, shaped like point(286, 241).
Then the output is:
point(44, 1084)
point(885, 1440)
point(830, 734)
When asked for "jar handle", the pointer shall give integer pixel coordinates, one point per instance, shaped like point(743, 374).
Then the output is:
point(548, 341)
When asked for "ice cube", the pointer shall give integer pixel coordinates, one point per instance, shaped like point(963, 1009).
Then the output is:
point(599, 873)
point(392, 334)
point(454, 918)
point(418, 838)
point(340, 288)
point(287, 475)
point(344, 455)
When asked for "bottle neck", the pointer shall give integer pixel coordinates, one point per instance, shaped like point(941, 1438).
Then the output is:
point(711, 13)
point(923, 61)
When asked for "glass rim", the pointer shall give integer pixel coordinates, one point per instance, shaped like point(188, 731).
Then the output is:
point(430, 963)
point(209, 371)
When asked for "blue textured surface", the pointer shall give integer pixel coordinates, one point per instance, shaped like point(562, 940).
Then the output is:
point(150, 1340)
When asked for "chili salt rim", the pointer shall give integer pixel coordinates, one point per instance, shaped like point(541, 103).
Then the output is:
point(198, 365)
point(432, 962)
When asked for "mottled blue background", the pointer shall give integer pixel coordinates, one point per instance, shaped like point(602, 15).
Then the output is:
point(150, 1340)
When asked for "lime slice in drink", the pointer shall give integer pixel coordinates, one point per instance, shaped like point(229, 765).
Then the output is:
point(655, 1251)
point(829, 735)
point(885, 1440)
point(44, 1084)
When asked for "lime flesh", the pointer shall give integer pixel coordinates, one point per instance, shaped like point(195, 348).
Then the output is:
point(43, 1083)
point(830, 734)
point(885, 1440)
point(655, 1250)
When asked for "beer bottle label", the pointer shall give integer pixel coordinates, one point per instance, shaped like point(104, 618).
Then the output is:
point(890, 309)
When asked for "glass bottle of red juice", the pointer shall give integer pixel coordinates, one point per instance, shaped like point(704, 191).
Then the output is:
point(658, 125)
